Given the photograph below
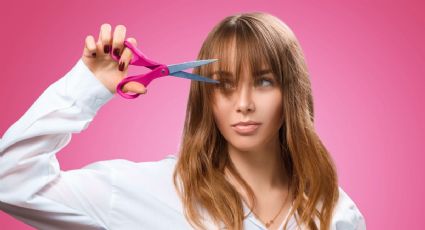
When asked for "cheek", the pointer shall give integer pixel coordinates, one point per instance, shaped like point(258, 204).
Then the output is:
point(221, 112)
point(274, 108)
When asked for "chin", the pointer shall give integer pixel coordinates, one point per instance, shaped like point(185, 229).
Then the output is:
point(244, 144)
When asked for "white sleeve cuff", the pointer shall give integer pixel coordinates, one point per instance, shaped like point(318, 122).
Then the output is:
point(82, 86)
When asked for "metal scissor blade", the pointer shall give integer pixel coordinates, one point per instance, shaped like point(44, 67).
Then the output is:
point(193, 77)
point(187, 65)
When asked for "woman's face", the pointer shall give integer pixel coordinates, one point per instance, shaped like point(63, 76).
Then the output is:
point(258, 98)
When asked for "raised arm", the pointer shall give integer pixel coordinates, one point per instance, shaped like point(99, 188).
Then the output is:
point(33, 188)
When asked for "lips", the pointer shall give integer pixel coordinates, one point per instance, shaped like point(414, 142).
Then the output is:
point(246, 123)
point(246, 127)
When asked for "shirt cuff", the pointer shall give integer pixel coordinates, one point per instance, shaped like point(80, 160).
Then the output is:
point(84, 88)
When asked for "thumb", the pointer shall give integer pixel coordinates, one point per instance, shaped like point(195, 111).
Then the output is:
point(134, 87)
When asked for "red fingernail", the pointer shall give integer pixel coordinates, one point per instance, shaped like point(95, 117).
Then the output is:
point(117, 52)
point(93, 54)
point(106, 48)
point(121, 66)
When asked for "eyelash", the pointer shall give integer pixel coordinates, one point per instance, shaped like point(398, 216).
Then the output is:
point(224, 83)
point(266, 79)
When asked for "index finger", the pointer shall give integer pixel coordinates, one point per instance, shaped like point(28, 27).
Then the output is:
point(118, 40)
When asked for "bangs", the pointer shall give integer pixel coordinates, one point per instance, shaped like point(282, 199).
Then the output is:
point(240, 49)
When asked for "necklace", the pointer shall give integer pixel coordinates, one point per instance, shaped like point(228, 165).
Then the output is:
point(270, 222)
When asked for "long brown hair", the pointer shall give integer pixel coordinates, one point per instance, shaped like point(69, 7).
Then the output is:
point(199, 174)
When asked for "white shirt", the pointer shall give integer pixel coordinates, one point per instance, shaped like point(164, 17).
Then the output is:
point(113, 194)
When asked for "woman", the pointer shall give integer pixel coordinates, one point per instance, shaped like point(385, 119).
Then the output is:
point(249, 158)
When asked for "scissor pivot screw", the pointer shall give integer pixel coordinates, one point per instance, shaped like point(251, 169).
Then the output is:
point(163, 71)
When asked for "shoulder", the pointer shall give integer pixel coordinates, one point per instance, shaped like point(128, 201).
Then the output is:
point(124, 165)
point(346, 214)
point(142, 181)
point(123, 169)
point(129, 174)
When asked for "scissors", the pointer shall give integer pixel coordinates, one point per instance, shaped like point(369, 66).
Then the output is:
point(158, 70)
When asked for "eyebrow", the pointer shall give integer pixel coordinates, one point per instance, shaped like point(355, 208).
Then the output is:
point(222, 72)
point(226, 74)
point(262, 72)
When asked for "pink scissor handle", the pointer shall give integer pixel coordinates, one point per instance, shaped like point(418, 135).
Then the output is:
point(144, 79)
point(139, 59)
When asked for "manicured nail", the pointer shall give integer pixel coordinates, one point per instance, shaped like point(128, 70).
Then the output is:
point(121, 66)
point(106, 49)
point(93, 54)
point(117, 52)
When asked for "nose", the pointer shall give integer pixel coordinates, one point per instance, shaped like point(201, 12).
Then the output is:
point(244, 100)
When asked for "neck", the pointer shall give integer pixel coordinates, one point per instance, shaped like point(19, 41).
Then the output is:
point(262, 168)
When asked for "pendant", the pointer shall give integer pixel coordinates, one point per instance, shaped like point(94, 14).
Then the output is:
point(269, 223)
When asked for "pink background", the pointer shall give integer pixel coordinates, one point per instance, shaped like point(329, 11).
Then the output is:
point(367, 70)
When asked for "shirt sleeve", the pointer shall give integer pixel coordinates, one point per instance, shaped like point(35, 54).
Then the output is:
point(33, 188)
point(347, 216)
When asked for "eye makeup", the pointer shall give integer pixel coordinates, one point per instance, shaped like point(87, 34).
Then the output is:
point(227, 79)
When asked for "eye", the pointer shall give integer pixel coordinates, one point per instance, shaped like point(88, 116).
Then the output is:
point(265, 82)
point(226, 85)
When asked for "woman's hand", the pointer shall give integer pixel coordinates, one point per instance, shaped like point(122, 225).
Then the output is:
point(97, 57)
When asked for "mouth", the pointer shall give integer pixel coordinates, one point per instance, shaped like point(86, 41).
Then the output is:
point(246, 128)
point(246, 123)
